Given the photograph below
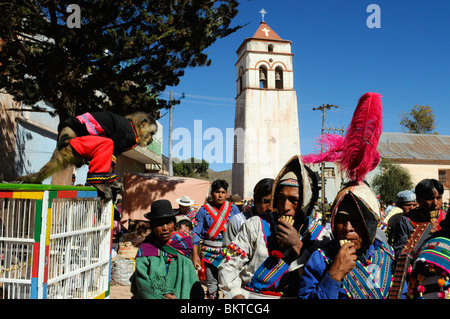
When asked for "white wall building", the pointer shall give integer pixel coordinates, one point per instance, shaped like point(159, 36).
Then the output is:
point(266, 120)
point(423, 155)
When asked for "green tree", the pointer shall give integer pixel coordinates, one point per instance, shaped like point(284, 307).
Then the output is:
point(419, 121)
point(191, 168)
point(122, 56)
point(393, 179)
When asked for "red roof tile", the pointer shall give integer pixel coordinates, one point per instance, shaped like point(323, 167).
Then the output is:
point(265, 32)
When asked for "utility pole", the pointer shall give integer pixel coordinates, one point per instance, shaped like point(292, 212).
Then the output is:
point(170, 135)
point(322, 168)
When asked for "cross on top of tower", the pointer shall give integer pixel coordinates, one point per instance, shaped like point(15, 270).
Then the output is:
point(264, 31)
point(263, 13)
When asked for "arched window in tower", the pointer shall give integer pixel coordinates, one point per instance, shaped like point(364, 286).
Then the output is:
point(278, 77)
point(241, 84)
point(262, 77)
point(270, 48)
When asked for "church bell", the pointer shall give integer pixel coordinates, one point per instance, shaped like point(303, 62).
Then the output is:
point(262, 75)
point(277, 76)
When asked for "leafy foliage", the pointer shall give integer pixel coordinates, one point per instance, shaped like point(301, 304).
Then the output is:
point(419, 121)
point(191, 168)
point(121, 58)
point(393, 179)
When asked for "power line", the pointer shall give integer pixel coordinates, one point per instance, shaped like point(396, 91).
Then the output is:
point(227, 101)
point(340, 130)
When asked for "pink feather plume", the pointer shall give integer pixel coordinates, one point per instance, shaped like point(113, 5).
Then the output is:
point(357, 151)
point(360, 155)
point(332, 145)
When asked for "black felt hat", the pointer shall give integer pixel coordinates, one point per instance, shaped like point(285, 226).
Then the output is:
point(161, 208)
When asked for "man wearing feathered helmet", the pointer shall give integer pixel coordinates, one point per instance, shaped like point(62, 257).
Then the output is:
point(357, 263)
point(266, 257)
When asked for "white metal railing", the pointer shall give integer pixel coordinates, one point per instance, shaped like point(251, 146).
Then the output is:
point(54, 243)
point(17, 221)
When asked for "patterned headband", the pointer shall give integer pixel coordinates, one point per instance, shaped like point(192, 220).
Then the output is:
point(289, 182)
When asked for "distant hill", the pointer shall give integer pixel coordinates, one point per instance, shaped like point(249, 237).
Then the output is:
point(226, 175)
point(213, 175)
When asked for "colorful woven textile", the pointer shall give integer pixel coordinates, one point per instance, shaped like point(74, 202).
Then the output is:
point(182, 242)
point(371, 280)
point(429, 277)
point(437, 251)
point(270, 271)
point(212, 255)
point(191, 212)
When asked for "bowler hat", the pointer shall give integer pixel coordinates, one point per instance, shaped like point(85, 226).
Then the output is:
point(161, 208)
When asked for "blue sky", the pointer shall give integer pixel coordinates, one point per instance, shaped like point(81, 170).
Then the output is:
point(337, 59)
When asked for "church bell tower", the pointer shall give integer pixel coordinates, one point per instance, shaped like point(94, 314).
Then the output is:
point(266, 119)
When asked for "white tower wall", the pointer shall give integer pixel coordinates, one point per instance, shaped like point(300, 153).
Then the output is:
point(266, 120)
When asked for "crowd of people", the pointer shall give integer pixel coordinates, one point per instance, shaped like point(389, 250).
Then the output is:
point(277, 248)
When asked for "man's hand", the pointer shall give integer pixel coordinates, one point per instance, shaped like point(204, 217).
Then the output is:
point(288, 236)
point(344, 261)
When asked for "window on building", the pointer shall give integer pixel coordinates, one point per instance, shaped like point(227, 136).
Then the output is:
point(444, 177)
point(270, 48)
point(241, 85)
point(329, 172)
point(278, 77)
point(262, 77)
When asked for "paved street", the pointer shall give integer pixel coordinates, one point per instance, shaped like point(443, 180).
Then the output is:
point(119, 292)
